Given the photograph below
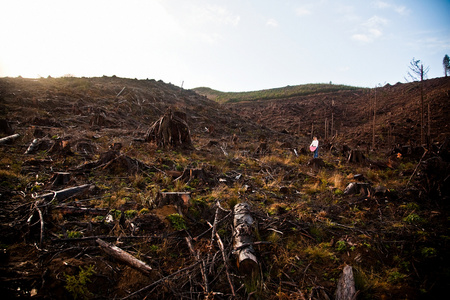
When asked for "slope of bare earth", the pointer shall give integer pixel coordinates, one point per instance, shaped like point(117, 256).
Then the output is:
point(349, 114)
point(171, 208)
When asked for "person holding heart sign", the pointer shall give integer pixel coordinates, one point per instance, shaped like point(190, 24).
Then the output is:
point(314, 147)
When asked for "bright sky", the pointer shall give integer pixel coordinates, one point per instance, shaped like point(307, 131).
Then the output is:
point(234, 45)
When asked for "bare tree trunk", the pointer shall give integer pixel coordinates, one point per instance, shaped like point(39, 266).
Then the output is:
point(429, 127)
point(421, 105)
point(374, 113)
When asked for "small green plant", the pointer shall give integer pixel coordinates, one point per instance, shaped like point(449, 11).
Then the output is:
point(413, 219)
point(76, 284)
point(428, 252)
point(129, 214)
point(395, 276)
point(341, 246)
point(74, 234)
point(144, 211)
point(177, 221)
point(338, 192)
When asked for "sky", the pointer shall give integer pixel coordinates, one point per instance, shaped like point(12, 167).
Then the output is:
point(228, 45)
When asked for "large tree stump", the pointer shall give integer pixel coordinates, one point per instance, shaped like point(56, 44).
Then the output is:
point(244, 228)
point(356, 156)
point(171, 130)
point(346, 289)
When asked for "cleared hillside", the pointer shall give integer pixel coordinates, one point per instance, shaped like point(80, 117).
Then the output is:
point(275, 93)
point(77, 171)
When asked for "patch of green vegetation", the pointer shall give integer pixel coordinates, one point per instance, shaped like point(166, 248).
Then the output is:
point(413, 219)
point(144, 211)
point(129, 214)
point(73, 234)
point(177, 221)
point(428, 252)
point(77, 284)
point(341, 246)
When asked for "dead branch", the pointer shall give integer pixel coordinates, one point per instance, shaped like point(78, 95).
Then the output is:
point(225, 261)
point(203, 265)
point(125, 257)
point(161, 280)
point(415, 170)
point(9, 138)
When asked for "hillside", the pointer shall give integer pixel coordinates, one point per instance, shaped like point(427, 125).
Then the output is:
point(80, 169)
point(275, 93)
point(349, 113)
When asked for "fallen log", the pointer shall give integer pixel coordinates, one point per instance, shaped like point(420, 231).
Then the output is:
point(9, 138)
point(66, 193)
point(244, 228)
point(346, 285)
point(125, 257)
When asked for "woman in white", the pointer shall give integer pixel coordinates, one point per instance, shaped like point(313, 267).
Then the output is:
point(315, 143)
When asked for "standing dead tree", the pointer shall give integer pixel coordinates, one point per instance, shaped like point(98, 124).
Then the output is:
point(417, 72)
point(170, 130)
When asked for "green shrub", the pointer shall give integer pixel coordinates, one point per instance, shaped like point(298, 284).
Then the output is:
point(177, 221)
point(76, 284)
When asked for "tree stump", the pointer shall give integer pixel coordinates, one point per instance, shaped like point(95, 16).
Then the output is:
point(190, 174)
point(356, 156)
point(60, 178)
point(181, 200)
point(262, 149)
point(171, 130)
point(5, 127)
point(317, 163)
point(364, 189)
point(346, 285)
